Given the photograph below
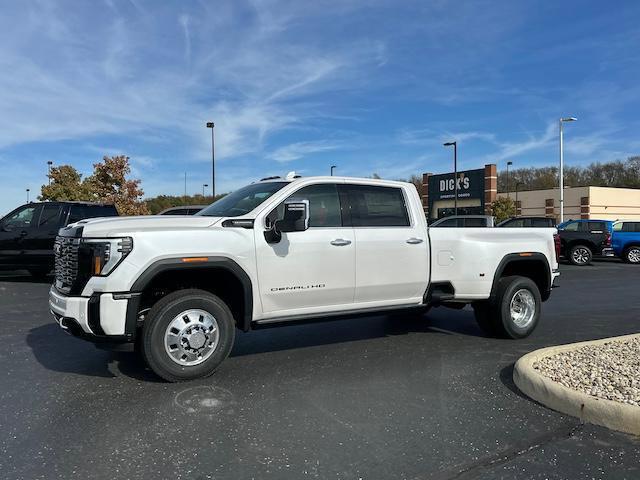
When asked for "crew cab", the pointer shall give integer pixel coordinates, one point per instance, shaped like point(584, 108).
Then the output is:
point(625, 240)
point(284, 250)
point(581, 240)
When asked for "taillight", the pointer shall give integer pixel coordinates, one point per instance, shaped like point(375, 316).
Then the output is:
point(556, 241)
point(607, 239)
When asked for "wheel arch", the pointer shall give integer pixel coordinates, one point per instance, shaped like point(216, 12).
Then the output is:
point(219, 275)
point(526, 264)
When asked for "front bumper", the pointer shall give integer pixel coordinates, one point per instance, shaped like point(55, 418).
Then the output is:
point(103, 317)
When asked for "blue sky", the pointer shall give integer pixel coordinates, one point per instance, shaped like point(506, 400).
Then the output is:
point(369, 86)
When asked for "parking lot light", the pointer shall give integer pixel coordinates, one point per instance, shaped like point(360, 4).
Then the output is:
point(561, 174)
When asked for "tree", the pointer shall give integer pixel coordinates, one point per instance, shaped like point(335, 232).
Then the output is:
point(66, 184)
point(109, 184)
point(503, 208)
point(162, 202)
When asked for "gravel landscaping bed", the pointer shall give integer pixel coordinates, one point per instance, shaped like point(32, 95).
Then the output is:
point(609, 370)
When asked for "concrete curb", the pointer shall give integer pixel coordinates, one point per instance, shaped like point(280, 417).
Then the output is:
point(589, 409)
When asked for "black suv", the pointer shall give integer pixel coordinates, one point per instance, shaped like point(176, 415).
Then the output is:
point(581, 240)
point(27, 234)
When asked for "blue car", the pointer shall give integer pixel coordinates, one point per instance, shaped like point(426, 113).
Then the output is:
point(626, 240)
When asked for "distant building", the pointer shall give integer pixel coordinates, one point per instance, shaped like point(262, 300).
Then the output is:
point(478, 189)
point(606, 203)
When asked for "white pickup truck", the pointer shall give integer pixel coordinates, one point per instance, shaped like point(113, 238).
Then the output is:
point(283, 250)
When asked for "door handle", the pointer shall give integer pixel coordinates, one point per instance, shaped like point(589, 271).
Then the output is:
point(340, 242)
point(23, 233)
point(414, 240)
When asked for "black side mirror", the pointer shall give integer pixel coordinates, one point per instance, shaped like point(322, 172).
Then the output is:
point(296, 216)
point(295, 219)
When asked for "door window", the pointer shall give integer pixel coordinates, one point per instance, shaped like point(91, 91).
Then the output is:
point(474, 222)
point(49, 216)
point(540, 222)
point(571, 227)
point(374, 206)
point(20, 219)
point(618, 227)
point(600, 226)
point(324, 205)
point(631, 227)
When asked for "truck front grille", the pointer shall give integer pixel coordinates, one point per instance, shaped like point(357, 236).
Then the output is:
point(66, 250)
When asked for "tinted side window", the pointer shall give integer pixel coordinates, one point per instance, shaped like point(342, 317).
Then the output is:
point(324, 204)
point(474, 222)
point(631, 227)
point(373, 206)
point(50, 216)
point(571, 227)
point(518, 222)
point(540, 222)
point(80, 212)
point(597, 226)
point(452, 222)
point(23, 218)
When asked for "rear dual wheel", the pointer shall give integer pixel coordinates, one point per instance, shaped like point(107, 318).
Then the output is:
point(515, 311)
point(187, 335)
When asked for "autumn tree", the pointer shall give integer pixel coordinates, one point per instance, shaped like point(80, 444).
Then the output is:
point(66, 183)
point(503, 208)
point(109, 184)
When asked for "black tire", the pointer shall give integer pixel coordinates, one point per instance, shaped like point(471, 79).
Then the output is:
point(580, 255)
point(505, 326)
point(163, 313)
point(632, 254)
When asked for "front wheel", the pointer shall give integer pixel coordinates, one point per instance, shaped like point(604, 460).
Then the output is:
point(515, 311)
point(632, 254)
point(187, 335)
point(580, 255)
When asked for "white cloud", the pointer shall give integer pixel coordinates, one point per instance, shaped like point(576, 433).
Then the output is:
point(296, 151)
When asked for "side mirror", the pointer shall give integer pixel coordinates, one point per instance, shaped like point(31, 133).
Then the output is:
point(296, 216)
point(295, 219)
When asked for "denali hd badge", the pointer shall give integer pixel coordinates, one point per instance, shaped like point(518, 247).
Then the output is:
point(298, 287)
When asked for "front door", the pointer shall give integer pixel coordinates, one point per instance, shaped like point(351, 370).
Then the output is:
point(14, 228)
point(308, 271)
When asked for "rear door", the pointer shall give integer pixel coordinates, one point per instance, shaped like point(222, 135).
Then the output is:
point(392, 261)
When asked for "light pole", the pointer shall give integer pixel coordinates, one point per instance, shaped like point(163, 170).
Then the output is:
point(204, 185)
point(508, 185)
point(49, 163)
point(455, 175)
point(213, 160)
point(561, 175)
point(28, 190)
point(332, 167)
point(517, 185)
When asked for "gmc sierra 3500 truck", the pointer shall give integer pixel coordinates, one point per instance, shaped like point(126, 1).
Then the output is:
point(281, 250)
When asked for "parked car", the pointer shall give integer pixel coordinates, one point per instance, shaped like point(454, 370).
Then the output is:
point(283, 250)
point(465, 221)
point(581, 240)
point(528, 222)
point(626, 240)
point(183, 210)
point(27, 234)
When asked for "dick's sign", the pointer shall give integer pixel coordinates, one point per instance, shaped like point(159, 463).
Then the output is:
point(470, 185)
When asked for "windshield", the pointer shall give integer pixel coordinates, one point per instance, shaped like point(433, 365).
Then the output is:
point(242, 201)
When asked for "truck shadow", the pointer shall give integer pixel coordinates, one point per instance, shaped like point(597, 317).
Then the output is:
point(272, 339)
point(60, 352)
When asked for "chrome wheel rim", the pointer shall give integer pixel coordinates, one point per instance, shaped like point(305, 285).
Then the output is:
point(522, 308)
point(634, 255)
point(191, 337)
point(581, 255)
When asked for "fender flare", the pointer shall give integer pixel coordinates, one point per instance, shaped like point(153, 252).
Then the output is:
point(522, 257)
point(168, 264)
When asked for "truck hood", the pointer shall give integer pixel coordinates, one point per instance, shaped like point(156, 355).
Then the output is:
point(115, 226)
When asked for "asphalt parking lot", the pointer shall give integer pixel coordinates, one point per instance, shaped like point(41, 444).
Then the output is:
point(371, 398)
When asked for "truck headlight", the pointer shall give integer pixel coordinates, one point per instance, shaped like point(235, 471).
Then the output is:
point(105, 254)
